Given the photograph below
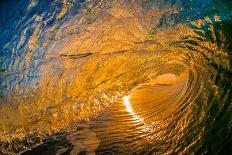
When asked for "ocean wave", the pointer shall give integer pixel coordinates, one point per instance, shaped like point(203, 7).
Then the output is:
point(71, 64)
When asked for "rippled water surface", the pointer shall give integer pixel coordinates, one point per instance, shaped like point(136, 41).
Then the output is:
point(115, 77)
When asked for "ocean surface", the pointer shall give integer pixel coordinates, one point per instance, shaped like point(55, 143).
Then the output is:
point(115, 77)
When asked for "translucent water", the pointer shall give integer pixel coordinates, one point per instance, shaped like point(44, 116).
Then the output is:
point(115, 77)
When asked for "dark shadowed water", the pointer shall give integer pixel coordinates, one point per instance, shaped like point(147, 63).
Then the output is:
point(115, 77)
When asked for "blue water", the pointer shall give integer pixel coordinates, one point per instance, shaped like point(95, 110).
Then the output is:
point(67, 69)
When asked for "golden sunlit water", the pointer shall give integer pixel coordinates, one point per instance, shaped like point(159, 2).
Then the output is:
point(114, 77)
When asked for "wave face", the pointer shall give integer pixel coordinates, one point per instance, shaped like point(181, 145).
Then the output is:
point(124, 77)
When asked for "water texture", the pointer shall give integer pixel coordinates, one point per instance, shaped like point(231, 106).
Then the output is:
point(115, 77)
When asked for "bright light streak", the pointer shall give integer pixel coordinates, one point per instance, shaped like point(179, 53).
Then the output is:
point(126, 101)
point(135, 117)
